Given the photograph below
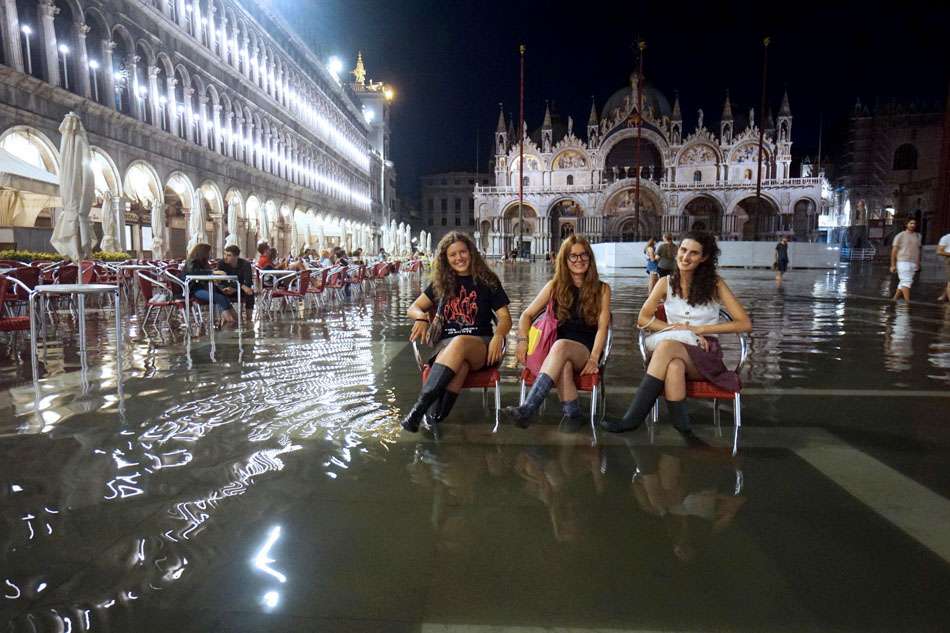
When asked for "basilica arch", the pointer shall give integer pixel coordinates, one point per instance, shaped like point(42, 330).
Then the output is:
point(752, 218)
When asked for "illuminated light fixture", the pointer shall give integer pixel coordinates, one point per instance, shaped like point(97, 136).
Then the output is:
point(335, 66)
point(143, 91)
point(63, 49)
point(190, 8)
point(204, 21)
point(195, 117)
point(368, 115)
point(271, 598)
point(181, 109)
point(26, 29)
point(388, 93)
point(162, 100)
point(93, 64)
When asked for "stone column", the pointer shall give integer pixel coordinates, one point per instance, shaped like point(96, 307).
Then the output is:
point(212, 35)
point(172, 106)
point(217, 219)
point(229, 135)
point(201, 135)
point(253, 70)
point(82, 61)
point(180, 13)
point(266, 159)
point(137, 104)
point(154, 96)
point(188, 115)
point(108, 81)
point(47, 34)
point(12, 37)
point(217, 136)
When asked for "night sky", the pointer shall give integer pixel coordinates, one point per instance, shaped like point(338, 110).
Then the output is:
point(452, 62)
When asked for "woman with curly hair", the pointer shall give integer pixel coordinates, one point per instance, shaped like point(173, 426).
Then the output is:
point(581, 304)
point(467, 294)
point(692, 294)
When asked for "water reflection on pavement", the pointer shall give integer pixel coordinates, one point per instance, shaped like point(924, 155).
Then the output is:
point(272, 489)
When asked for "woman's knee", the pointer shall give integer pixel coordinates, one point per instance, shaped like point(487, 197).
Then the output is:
point(677, 367)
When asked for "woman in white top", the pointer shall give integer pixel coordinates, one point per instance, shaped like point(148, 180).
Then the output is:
point(693, 295)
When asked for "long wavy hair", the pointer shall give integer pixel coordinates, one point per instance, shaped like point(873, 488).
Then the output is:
point(445, 281)
point(591, 288)
point(703, 288)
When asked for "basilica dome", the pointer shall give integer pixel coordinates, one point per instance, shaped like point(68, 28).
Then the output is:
point(652, 98)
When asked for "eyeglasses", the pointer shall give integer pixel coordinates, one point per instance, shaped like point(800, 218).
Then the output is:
point(576, 257)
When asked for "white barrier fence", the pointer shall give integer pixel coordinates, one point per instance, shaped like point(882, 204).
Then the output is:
point(734, 254)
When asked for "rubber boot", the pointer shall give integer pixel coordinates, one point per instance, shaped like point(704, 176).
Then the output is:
point(439, 378)
point(647, 393)
point(573, 416)
point(520, 415)
point(441, 409)
point(680, 418)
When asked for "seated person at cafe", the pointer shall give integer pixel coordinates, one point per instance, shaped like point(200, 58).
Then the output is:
point(232, 264)
point(197, 264)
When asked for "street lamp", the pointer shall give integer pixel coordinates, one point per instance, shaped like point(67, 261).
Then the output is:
point(27, 31)
point(94, 66)
point(63, 49)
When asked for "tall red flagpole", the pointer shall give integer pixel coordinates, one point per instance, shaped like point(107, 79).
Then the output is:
point(765, 63)
point(636, 216)
point(521, 160)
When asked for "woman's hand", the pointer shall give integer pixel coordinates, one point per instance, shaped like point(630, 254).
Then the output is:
point(590, 367)
point(521, 352)
point(418, 331)
point(496, 348)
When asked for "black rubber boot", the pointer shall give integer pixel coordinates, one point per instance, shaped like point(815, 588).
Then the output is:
point(680, 418)
point(520, 415)
point(574, 417)
point(647, 393)
point(439, 378)
point(443, 406)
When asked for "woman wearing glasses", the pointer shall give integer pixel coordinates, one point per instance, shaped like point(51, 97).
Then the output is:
point(581, 303)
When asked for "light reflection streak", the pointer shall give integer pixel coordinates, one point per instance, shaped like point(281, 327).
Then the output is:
point(17, 589)
point(262, 560)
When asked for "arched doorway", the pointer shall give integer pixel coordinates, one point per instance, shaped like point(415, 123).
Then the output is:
point(621, 212)
point(757, 219)
point(141, 188)
point(805, 220)
point(563, 221)
point(703, 214)
point(622, 161)
point(519, 229)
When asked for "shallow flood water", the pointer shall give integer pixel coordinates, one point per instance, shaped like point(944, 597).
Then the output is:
point(262, 483)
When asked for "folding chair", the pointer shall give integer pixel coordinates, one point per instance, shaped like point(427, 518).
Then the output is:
point(148, 285)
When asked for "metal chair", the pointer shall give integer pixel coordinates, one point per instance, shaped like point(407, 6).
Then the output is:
point(702, 388)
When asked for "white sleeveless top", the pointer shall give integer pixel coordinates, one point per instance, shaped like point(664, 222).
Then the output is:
point(678, 311)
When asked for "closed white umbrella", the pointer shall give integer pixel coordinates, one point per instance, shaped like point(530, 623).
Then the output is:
point(321, 236)
point(294, 237)
point(196, 223)
point(263, 227)
point(393, 239)
point(232, 225)
point(158, 230)
point(110, 243)
point(428, 242)
point(307, 237)
point(72, 235)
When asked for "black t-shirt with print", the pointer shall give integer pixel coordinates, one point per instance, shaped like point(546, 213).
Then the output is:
point(471, 311)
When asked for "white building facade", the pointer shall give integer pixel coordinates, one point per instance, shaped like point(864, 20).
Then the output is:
point(701, 180)
point(191, 102)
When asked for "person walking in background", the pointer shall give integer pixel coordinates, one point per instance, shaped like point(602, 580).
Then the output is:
point(781, 259)
point(650, 251)
point(666, 256)
point(905, 259)
point(943, 250)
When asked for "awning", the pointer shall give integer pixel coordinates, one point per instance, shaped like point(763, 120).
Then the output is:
point(30, 188)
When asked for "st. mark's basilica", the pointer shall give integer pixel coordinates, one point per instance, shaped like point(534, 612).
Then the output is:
point(701, 179)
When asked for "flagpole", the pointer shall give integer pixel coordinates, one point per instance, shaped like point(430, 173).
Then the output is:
point(521, 160)
point(636, 213)
point(765, 62)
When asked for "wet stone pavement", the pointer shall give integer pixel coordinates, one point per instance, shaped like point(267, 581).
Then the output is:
point(271, 489)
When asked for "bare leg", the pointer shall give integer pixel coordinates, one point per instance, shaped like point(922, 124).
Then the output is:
point(566, 389)
point(560, 365)
point(469, 350)
point(664, 354)
point(675, 383)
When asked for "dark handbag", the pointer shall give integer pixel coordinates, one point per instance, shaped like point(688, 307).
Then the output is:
point(434, 331)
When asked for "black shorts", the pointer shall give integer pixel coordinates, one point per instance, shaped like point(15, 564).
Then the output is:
point(663, 272)
point(782, 265)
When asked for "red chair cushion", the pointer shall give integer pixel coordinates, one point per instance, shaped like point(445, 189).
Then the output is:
point(703, 389)
point(481, 379)
point(583, 383)
point(9, 324)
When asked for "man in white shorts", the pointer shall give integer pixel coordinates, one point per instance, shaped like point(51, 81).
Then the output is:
point(905, 258)
point(943, 250)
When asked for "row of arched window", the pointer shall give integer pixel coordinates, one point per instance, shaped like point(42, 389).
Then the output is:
point(104, 64)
